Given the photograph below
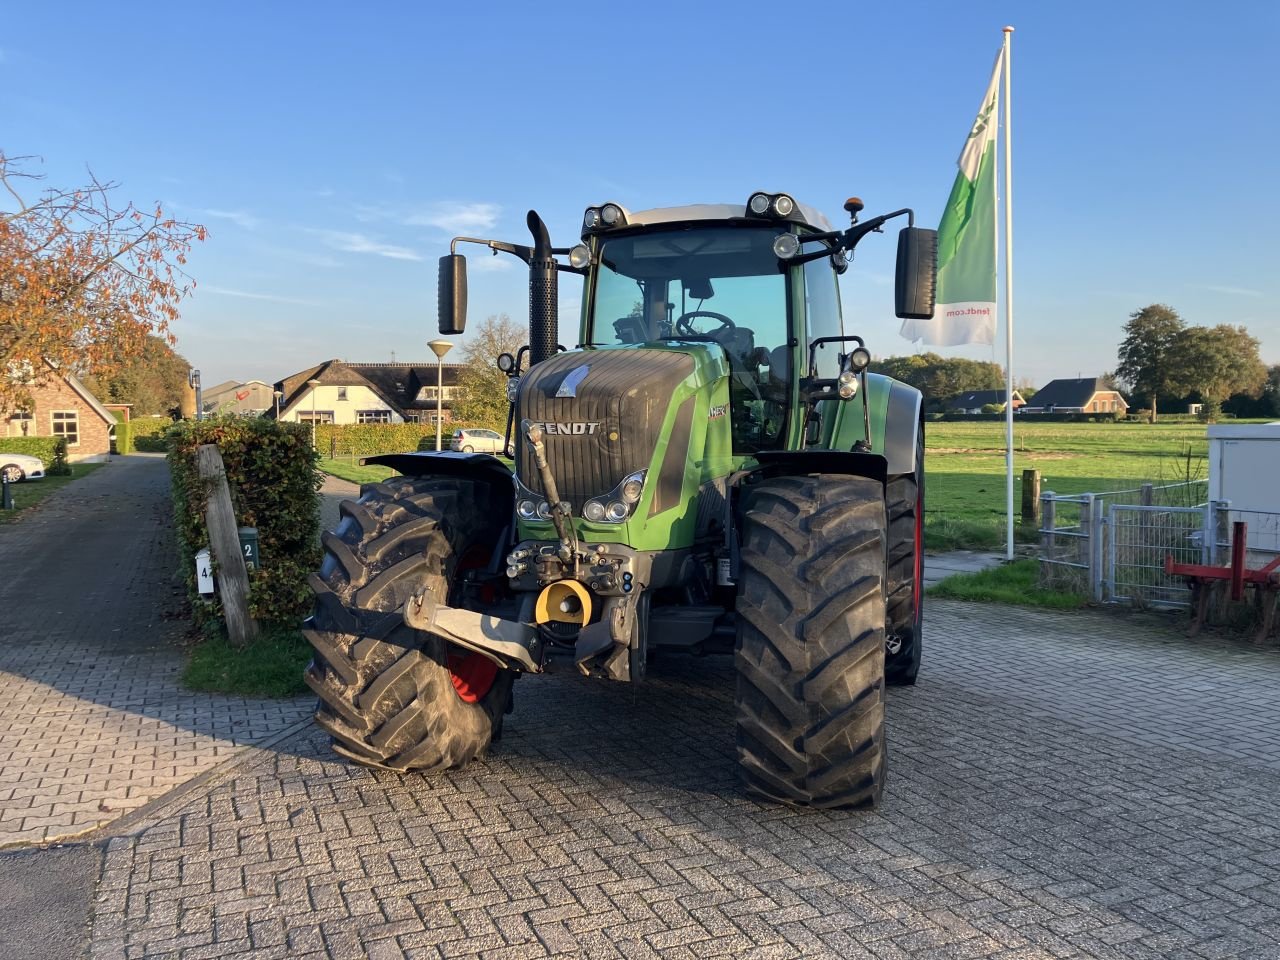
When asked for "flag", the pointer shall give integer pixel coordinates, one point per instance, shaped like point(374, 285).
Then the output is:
point(966, 309)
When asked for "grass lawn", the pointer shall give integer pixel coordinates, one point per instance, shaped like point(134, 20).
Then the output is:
point(30, 492)
point(964, 463)
point(1016, 583)
point(351, 470)
point(271, 666)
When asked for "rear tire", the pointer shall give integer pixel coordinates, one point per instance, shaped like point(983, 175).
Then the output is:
point(468, 449)
point(904, 496)
point(810, 652)
point(12, 472)
point(388, 695)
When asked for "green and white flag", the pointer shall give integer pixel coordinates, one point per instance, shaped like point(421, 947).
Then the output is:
point(966, 308)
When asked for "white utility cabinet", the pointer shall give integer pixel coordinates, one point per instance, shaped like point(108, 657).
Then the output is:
point(1244, 469)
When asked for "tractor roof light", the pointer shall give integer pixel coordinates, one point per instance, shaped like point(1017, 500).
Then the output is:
point(777, 206)
point(759, 204)
point(859, 359)
point(580, 257)
point(591, 219)
point(612, 215)
point(783, 205)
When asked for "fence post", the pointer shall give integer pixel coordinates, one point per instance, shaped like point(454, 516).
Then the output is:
point(224, 540)
point(1110, 568)
point(1097, 537)
point(1146, 494)
point(1031, 498)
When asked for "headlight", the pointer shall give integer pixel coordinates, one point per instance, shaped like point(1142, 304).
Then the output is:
point(860, 359)
point(783, 205)
point(610, 214)
point(544, 510)
point(632, 487)
point(593, 510)
point(617, 511)
point(579, 256)
point(513, 389)
point(591, 219)
point(526, 510)
point(847, 385)
point(759, 204)
point(786, 246)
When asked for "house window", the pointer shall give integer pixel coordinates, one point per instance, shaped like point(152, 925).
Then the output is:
point(319, 416)
point(21, 424)
point(342, 393)
point(373, 416)
point(66, 424)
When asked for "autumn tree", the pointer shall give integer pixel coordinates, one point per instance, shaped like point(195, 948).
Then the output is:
point(83, 277)
point(1149, 363)
point(153, 380)
point(481, 395)
point(1221, 361)
point(940, 378)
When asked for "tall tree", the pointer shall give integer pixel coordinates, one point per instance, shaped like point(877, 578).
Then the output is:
point(941, 378)
point(154, 379)
point(82, 276)
point(1149, 364)
point(1223, 361)
point(481, 397)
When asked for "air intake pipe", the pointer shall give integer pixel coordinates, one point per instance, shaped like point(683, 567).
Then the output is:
point(544, 319)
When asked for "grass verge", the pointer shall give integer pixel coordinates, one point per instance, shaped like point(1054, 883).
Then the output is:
point(1016, 583)
point(270, 666)
point(30, 492)
point(350, 470)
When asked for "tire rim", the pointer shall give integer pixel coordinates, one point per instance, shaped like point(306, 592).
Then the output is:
point(472, 674)
point(12, 474)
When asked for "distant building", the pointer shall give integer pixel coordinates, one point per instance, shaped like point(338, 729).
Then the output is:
point(366, 393)
point(1083, 395)
point(244, 397)
point(975, 400)
point(62, 406)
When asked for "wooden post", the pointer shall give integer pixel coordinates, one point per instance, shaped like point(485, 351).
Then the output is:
point(224, 541)
point(1146, 495)
point(1031, 499)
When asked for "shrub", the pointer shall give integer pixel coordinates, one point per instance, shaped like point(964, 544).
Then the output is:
point(123, 437)
point(52, 451)
point(353, 440)
point(271, 470)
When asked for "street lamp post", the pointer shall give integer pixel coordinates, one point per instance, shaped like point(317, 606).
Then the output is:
point(277, 394)
point(313, 384)
point(439, 348)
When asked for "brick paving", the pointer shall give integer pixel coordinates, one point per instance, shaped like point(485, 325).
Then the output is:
point(1062, 785)
point(93, 720)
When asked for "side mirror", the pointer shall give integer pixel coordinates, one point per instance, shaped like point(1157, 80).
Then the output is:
point(452, 294)
point(917, 277)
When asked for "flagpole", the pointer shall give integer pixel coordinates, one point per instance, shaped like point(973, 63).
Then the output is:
point(1008, 300)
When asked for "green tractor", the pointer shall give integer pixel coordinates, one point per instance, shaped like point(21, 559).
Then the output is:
point(711, 470)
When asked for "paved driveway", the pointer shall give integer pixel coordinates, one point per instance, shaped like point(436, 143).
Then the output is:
point(93, 720)
point(1085, 785)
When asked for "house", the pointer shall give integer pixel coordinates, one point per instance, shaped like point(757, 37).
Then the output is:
point(975, 400)
point(1081, 395)
point(244, 397)
point(62, 406)
point(366, 393)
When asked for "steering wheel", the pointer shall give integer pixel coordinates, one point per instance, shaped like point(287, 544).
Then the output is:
point(683, 326)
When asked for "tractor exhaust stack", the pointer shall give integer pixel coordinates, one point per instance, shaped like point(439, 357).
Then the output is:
point(544, 319)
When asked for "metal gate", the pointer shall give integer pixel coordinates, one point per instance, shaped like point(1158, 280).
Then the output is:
point(1140, 537)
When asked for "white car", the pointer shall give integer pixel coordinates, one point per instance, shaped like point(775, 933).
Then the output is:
point(15, 467)
point(476, 441)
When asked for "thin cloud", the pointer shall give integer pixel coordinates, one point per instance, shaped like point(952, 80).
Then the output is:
point(359, 243)
point(1232, 291)
point(240, 218)
point(251, 295)
point(456, 217)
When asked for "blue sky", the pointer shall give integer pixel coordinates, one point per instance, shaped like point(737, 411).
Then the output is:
point(333, 149)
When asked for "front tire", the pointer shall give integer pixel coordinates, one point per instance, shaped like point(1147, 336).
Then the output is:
point(391, 696)
point(468, 449)
point(810, 651)
point(904, 496)
point(12, 472)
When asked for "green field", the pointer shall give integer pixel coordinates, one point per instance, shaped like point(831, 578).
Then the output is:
point(965, 469)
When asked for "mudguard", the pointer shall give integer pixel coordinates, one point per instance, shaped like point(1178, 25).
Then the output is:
point(447, 463)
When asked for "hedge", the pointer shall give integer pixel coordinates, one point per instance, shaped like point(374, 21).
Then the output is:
point(52, 451)
point(148, 434)
point(271, 470)
point(1028, 417)
point(124, 437)
point(370, 439)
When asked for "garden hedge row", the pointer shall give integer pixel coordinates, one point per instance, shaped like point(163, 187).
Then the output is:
point(148, 434)
point(52, 451)
point(271, 470)
point(1028, 417)
point(371, 439)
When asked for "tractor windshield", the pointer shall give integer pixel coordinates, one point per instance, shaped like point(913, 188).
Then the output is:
point(723, 283)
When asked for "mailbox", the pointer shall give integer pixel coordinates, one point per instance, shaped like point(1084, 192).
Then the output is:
point(249, 547)
point(204, 572)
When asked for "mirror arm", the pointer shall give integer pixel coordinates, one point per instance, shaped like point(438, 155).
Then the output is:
point(524, 253)
point(849, 239)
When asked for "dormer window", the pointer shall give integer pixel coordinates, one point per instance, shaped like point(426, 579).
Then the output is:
point(342, 393)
